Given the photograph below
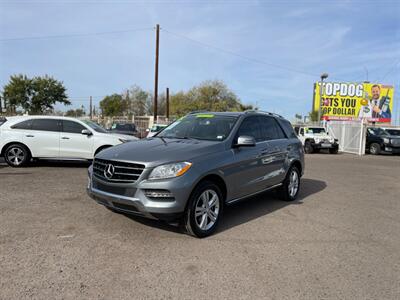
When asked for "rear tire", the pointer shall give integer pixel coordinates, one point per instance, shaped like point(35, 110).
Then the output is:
point(374, 149)
point(308, 148)
point(17, 155)
point(204, 210)
point(291, 185)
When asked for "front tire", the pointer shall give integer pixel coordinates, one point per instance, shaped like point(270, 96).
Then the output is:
point(291, 185)
point(374, 149)
point(204, 210)
point(308, 148)
point(17, 155)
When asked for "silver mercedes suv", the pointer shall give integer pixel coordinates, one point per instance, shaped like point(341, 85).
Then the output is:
point(197, 165)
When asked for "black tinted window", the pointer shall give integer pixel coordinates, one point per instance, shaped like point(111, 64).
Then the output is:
point(72, 127)
point(23, 125)
point(251, 127)
point(271, 129)
point(46, 125)
point(125, 127)
point(287, 127)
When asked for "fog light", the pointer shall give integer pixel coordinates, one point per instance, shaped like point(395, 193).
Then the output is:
point(158, 194)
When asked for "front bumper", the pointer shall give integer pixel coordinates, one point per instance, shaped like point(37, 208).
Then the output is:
point(131, 198)
point(390, 149)
point(322, 145)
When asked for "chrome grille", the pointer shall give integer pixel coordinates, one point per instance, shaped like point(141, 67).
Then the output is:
point(395, 142)
point(122, 172)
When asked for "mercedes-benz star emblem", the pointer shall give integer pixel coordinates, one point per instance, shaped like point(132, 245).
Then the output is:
point(109, 171)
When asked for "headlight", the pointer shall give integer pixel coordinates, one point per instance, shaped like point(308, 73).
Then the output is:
point(123, 140)
point(386, 140)
point(170, 170)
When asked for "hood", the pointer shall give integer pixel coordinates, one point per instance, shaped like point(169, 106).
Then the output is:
point(156, 151)
point(391, 136)
point(318, 135)
point(119, 136)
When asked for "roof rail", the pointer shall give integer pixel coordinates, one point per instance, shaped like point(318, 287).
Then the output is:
point(263, 112)
point(197, 111)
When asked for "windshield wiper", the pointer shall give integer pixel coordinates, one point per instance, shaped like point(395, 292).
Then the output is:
point(184, 138)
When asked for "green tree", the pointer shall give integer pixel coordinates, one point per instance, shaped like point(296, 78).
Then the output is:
point(211, 95)
point(137, 100)
point(313, 115)
point(35, 96)
point(79, 112)
point(113, 105)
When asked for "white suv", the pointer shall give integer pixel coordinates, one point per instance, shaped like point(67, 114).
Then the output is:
point(315, 138)
point(26, 137)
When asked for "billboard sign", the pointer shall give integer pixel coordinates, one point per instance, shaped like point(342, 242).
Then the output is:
point(352, 101)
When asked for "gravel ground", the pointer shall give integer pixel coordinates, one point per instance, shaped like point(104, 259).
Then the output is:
point(340, 240)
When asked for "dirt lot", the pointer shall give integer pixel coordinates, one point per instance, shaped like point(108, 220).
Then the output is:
point(340, 240)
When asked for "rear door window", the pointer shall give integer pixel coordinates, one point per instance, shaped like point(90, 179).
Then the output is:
point(287, 127)
point(46, 125)
point(271, 129)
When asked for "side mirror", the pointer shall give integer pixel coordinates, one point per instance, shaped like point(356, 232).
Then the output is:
point(86, 132)
point(148, 130)
point(245, 141)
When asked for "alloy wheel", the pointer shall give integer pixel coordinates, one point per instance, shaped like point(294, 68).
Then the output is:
point(293, 183)
point(16, 156)
point(207, 209)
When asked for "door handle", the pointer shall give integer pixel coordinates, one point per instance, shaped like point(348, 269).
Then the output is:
point(29, 135)
point(65, 138)
point(263, 152)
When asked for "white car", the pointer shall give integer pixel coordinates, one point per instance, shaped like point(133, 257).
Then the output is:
point(155, 129)
point(26, 137)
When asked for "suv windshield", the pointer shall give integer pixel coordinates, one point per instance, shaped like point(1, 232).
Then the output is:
point(201, 126)
point(377, 131)
point(393, 131)
point(315, 130)
point(157, 128)
point(95, 126)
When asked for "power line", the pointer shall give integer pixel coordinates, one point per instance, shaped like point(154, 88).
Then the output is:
point(182, 2)
point(72, 35)
point(251, 59)
point(380, 79)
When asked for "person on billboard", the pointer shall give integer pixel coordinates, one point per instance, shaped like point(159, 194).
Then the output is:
point(377, 106)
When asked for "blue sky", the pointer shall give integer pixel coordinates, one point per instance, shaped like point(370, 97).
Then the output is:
point(289, 42)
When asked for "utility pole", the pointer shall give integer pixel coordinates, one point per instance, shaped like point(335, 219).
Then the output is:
point(91, 108)
point(155, 108)
point(167, 104)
